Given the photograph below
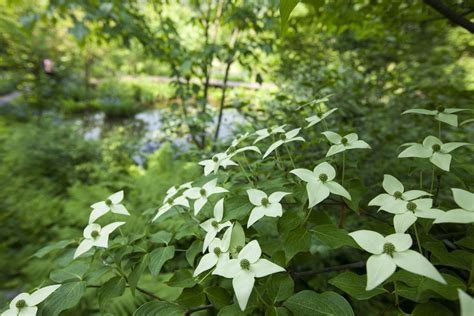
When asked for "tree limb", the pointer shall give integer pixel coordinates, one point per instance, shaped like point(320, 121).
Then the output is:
point(452, 15)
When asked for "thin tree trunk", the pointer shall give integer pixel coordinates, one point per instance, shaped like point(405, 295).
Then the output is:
point(222, 102)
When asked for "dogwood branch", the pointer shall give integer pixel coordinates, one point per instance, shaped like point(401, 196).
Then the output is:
point(198, 308)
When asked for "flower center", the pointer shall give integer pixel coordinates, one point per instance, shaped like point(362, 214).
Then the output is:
point(202, 192)
point(436, 147)
point(20, 304)
point(217, 251)
point(215, 159)
point(440, 108)
point(244, 264)
point(344, 141)
point(269, 130)
point(108, 202)
point(411, 206)
point(231, 149)
point(323, 177)
point(282, 136)
point(388, 248)
point(397, 195)
point(170, 201)
point(215, 224)
point(94, 233)
point(265, 202)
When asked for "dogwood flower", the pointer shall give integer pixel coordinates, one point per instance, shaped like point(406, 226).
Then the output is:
point(201, 194)
point(406, 213)
point(232, 150)
point(171, 200)
point(284, 139)
point(315, 119)
point(264, 133)
point(340, 144)
point(464, 214)
point(441, 114)
point(95, 235)
point(214, 225)
point(467, 303)
point(245, 269)
point(218, 253)
point(434, 149)
point(112, 204)
point(265, 205)
point(395, 192)
point(388, 253)
point(218, 160)
point(240, 138)
point(320, 183)
point(174, 189)
point(24, 304)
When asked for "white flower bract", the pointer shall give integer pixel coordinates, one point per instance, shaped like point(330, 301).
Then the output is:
point(467, 303)
point(340, 144)
point(171, 200)
point(320, 183)
point(434, 149)
point(218, 253)
point(264, 133)
point(218, 160)
point(394, 191)
point(445, 115)
point(201, 194)
point(315, 119)
point(391, 252)
point(96, 236)
point(24, 304)
point(244, 269)
point(462, 215)
point(111, 204)
point(214, 225)
point(284, 139)
point(406, 213)
point(265, 205)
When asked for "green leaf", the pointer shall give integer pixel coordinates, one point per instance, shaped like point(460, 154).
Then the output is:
point(286, 6)
point(332, 236)
point(65, 297)
point(440, 255)
point(159, 308)
point(431, 309)
point(276, 311)
point(289, 221)
point(182, 278)
point(312, 304)
point(158, 257)
point(137, 272)
point(193, 251)
point(418, 288)
point(112, 288)
point(237, 238)
point(161, 237)
point(75, 271)
point(279, 287)
point(354, 285)
point(240, 207)
point(52, 247)
point(192, 297)
point(357, 190)
point(218, 296)
point(231, 310)
point(296, 241)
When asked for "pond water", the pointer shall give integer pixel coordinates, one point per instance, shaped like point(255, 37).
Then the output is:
point(152, 122)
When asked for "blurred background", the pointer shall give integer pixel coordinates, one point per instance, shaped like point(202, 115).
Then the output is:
point(98, 96)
